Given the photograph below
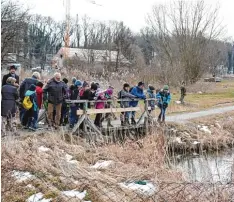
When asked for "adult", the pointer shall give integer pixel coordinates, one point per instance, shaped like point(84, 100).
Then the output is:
point(182, 92)
point(12, 70)
point(163, 98)
point(54, 92)
point(65, 108)
point(139, 93)
point(27, 83)
point(31, 115)
point(126, 97)
point(8, 105)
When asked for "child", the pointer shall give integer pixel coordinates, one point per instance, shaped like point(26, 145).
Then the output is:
point(31, 115)
point(39, 92)
point(164, 98)
point(151, 95)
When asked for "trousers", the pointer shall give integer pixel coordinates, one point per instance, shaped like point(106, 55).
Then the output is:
point(51, 119)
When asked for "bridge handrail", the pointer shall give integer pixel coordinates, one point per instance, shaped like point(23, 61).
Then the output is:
point(106, 101)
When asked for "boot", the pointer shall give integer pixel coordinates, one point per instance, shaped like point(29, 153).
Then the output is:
point(133, 122)
point(127, 123)
point(109, 123)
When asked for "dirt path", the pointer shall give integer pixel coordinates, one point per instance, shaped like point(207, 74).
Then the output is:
point(181, 118)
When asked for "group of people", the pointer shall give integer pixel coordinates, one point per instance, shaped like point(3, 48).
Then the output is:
point(32, 94)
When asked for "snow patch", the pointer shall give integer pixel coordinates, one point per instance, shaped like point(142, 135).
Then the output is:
point(149, 189)
point(205, 129)
point(22, 176)
point(178, 102)
point(37, 198)
point(69, 159)
point(102, 164)
point(43, 149)
point(177, 140)
point(76, 194)
point(196, 142)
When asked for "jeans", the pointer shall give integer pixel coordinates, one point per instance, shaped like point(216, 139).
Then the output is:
point(124, 116)
point(21, 115)
point(73, 115)
point(162, 113)
point(64, 114)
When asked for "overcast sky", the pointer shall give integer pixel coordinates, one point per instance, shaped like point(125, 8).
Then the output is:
point(132, 12)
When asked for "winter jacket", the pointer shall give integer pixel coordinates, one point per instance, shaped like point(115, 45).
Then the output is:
point(5, 77)
point(33, 98)
point(139, 93)
point(151, 95)
point(25, 85)
point(9, 97)
point(54, 91)
point(39, 92)
point(100, 105)
point(125, 95)
point(163, 98)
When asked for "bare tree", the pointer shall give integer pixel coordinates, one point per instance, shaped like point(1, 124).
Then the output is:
point(14, 21)
point(183, 30)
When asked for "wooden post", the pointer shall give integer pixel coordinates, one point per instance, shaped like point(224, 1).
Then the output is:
point(146, 123)
point(85, 115)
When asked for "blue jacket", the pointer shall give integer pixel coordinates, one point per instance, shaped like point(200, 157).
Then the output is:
point(139, 93)
point(151, 95)
point(33, 98)
point(163, 97)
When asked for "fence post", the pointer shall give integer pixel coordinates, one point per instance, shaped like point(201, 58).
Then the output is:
point(85, 116)
point(146, 123)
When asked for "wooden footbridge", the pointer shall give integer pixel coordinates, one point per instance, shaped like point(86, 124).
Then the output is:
point(86, 126)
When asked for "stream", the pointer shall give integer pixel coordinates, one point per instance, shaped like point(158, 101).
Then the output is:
point(216, 167)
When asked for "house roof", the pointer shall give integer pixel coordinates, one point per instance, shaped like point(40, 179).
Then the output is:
point(90, 54)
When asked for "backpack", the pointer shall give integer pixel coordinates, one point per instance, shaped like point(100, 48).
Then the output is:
point(27, 103)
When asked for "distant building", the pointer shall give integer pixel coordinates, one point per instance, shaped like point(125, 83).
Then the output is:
point(89, 56)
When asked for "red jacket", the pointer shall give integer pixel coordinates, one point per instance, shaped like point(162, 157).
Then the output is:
point(39, 92)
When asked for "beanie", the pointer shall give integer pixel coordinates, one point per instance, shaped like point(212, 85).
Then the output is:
point(109, 91)
point(166, 87)
point(73, 80)
point(78, 83)
point(32, 87)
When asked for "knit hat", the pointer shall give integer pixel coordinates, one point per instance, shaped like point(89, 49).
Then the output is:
point(141, 83)
point(109, 91)
point(151, 87)
point(126, 85)
point(32, 87)
point(74, 80)
point(85, 84)
point(78, 83)
point(165, 87)
point(40, 84)
point(65, 80)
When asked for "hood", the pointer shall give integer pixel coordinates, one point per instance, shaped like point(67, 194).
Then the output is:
point(29, 93)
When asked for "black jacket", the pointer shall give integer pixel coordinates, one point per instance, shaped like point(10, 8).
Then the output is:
point(25, 86)
point(5, 77)
point(54, 91)
point(9, 97)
